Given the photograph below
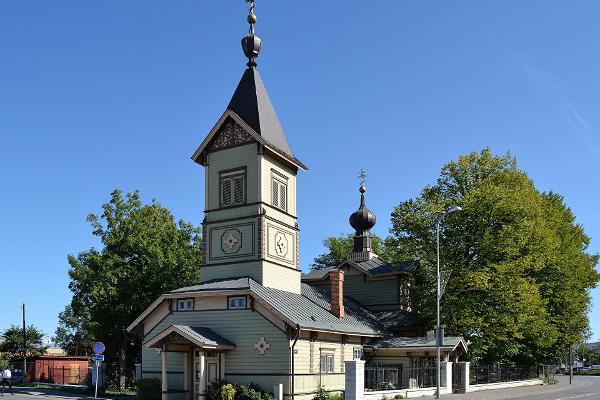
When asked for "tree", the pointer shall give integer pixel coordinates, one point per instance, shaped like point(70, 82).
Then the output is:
point(11, 341)
point(339, 247)
point(74, 334)
point(520, 271)
point(144, 253)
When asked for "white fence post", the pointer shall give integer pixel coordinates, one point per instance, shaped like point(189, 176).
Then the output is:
point(278, 391)
point(463, 385)
point(355, 380)
point(446, 378)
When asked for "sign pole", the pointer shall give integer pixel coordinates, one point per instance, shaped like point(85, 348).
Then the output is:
point(97, 377)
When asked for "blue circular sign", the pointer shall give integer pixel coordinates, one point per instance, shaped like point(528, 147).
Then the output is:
point(98, 347)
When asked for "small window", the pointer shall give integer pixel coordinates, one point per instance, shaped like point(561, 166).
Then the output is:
point(185, 304)
point(279, 194)
point(236, 303)
point(326, 362)
point(358, 353)
point(232, 188)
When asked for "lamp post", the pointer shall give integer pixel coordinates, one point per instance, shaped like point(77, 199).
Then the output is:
point(438, 339)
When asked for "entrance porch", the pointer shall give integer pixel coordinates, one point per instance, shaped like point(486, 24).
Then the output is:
point(204, 358)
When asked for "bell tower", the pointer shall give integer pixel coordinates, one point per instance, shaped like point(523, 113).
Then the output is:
point(250, 226)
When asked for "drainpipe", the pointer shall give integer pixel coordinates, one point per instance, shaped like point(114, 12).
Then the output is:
point(293, 359)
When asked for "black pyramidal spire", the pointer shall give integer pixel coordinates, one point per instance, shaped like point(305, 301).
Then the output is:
point(251, 101)
point(252, 104)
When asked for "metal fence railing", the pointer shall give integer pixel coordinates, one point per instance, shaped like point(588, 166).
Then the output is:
point(397, 376)
point(481, 374)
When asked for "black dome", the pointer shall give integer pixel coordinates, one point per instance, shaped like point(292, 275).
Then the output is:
point(363, 219)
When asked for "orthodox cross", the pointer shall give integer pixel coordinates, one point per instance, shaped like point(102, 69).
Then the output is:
point(362, 175)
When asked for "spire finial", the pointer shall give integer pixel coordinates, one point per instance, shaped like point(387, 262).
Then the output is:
point(362, 174)
point(251, 42)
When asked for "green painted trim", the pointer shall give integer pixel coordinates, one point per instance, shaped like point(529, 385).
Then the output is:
point(244, 262)
point(251, 204)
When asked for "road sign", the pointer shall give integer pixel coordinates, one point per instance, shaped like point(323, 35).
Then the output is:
point(97, 357)
point(98, 347)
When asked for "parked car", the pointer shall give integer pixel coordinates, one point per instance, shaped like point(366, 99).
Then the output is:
point(17, 375)
point(596, 367)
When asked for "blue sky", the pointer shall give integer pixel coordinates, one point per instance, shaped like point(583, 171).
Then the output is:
point(98, 95)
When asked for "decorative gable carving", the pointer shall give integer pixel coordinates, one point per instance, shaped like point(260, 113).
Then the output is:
point(230, 135)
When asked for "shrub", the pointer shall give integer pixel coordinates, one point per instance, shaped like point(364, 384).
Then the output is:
point(321, 394)
point(337, 396)
point(246, 392)
point(221, 390)
point(398, 397)
point(149, 389)
point(267, 396)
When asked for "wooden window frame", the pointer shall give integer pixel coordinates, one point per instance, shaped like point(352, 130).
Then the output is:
point(281, 182)
point(230, 174)
point(329, 356)
point(229, 298)
point(186, 300)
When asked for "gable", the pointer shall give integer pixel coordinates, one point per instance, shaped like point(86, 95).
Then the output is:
point(230, 134)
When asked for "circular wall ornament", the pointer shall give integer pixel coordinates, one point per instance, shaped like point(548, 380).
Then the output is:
point(281, 244)
point(231, 241)
point(262, 346)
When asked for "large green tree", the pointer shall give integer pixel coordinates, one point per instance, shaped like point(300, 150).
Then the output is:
point(11, 341)
point(143, 254)
point(520, 271)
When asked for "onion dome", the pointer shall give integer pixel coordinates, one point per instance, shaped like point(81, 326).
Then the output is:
point(362, 220)
point(251, 42)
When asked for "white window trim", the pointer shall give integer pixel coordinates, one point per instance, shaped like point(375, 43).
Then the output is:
point(329, 354)
point(185, 302)
point(236, 307)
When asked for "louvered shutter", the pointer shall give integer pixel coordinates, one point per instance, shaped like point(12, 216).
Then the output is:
point(226, 192)
point(238, 190)
point(283, 197)
point(275, 194)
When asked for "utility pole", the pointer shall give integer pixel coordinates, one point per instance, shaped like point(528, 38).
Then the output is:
point(570, 364)
point(24, 346)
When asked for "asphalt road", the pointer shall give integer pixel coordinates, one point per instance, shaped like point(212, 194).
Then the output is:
point(583, 388)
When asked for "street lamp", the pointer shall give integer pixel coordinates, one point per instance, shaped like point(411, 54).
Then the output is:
point(438, 339)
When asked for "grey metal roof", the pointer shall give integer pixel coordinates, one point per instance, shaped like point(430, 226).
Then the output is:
point(200, 336)
point(205, 335)
point(217, 284)
point(310, 309)
point(395, 342)
point(374, 266)
point(397, 319)
point(252, 104)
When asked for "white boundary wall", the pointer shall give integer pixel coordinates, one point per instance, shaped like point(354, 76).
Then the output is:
point(504, 385)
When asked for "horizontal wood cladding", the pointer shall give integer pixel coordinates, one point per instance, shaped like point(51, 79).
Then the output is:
point(242, 327)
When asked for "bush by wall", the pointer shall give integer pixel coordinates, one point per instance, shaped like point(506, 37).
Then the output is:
point(149, 389)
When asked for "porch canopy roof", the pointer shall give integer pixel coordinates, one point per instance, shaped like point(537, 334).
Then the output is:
point(391, 343)
point(182, 337)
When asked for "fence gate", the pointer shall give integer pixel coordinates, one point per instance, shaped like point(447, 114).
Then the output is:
point(456, 377)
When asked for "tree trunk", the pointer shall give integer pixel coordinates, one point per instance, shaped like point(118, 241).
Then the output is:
point(123, 362)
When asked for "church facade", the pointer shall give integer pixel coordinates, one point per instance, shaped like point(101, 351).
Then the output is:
point(253, 318)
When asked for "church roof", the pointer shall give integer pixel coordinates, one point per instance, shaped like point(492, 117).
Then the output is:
point(252, 104)
point(310, 309)
point(400, 342)
point(251, 107)
point(372, 267)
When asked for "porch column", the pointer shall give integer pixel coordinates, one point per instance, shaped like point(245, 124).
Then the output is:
point(163, 372)
point(222, 364)
point(186, 374)
point(202, 376)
